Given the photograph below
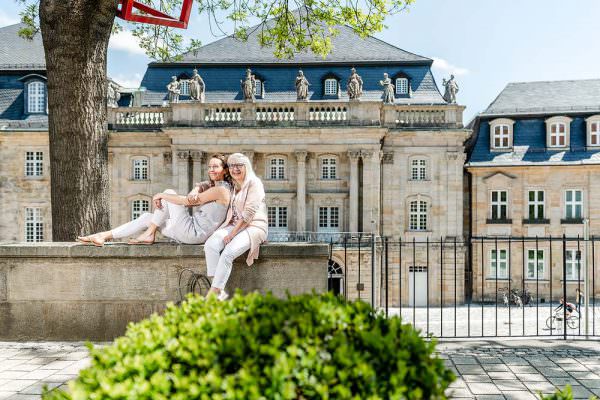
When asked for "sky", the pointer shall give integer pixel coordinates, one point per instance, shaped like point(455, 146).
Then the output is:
point(484, 43)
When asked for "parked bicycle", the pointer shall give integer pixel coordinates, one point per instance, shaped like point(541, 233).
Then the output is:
point(556, 320)
point(513, 297)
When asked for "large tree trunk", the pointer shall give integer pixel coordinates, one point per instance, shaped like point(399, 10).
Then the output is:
point(75, 35)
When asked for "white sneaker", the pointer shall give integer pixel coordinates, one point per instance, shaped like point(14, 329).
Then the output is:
point(223, 295)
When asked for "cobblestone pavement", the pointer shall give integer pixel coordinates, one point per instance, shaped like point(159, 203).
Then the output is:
point(486, 370)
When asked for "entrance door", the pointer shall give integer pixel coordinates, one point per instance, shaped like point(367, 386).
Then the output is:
point(417, 277)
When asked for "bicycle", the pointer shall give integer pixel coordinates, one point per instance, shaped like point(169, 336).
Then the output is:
point(504, 293)
point(556, 319)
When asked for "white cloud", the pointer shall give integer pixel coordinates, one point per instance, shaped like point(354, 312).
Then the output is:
point(128, 81)
point(445, 68)
point(125, 41)
point(6, 19)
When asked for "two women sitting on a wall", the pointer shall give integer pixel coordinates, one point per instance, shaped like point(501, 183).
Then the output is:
point(230, 217)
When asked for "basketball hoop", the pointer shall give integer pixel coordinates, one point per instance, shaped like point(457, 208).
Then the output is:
point(152, 16)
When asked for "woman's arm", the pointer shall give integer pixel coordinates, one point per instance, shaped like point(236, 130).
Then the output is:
point(198, 188)
point(254, 199)
point(217, 193)
point(239, 226)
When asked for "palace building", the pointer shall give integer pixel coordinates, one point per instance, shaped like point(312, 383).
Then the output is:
point(330, 163)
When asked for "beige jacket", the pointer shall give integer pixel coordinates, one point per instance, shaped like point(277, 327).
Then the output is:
point(250, 203)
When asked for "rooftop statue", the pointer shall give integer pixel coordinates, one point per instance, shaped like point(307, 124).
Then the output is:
point(248, 86)
point(112, 95)
point(355, 85)
point(301, 86)
point(197, 87)
point(174, 89)
point(388, 89)
point(451, 90)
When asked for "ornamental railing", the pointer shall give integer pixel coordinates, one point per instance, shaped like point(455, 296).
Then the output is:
point(285, 114)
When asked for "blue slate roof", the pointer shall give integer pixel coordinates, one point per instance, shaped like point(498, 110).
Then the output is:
point(532, 103)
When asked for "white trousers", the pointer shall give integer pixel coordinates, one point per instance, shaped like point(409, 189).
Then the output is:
point(164, 218)
point(219, 263)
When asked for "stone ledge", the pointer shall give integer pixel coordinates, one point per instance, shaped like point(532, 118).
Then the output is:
point(157, 250)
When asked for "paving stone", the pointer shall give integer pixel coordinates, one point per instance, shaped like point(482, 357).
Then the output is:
point(6, 395)
point(556, 372)
point(38, 387)
point(57, 365)
point(519, 395)
point(562, 381)
point(38, 374)
point(75, 367)
point(470, 369)
point(458, 383)
point(11, 374)
point(489, 397)
point(583, 375)
point(580, 391)
point(458, 393)
point(482, 388)
point(531, 378)
point(17, 385)
point(590, 383)
point(565, 360)
point(515, 361)
point(574, 368)
point(501, 375)
point(59, 378)
point(489, 360)
point(20, 396)
point(75, 356)
point(8, 364)
point(505, 385)
point(544, 387)
point(477, 378)
point(25, 367)
point(496, 368)
point(464, 360)
point(522, 369)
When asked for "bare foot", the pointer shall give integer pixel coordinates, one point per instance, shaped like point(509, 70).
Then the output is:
point(144, 238)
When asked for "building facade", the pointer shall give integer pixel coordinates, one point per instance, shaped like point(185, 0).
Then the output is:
point(534, 170)
point(330, 164)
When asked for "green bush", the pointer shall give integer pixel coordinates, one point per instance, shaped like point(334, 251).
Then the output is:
point(565, 394)
point(261, 347)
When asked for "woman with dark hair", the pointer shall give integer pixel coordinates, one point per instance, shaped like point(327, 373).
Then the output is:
point(170, 216)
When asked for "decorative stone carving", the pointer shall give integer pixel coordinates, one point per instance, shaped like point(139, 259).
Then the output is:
point(451, 89)
point(388, 158)
point(183, 155)
point(197, 87)
point(168, 157)
point(301, 155)
point(355, 85)
point(452, 155)
point(354, 154)
point(301, 86)
point(366, 154)
point(112, 95)
point(174, 88)
point(197, 156)
point(248, 86)
point(388, 89)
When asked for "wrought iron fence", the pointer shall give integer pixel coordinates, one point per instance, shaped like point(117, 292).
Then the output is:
point(480, 287)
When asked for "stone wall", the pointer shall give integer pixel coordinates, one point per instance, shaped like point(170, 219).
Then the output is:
point(66, 291)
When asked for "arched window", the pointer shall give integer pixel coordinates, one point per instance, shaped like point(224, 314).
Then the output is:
point(328, 167)
point(401, 85)
point(593, 127)
point(335, 277)
point(331, 87)
point(138, 207)
point(36, 97)
point(557, 131)
point(277, 168)
point(418, 215)
point(501, 134)
point(140, 169)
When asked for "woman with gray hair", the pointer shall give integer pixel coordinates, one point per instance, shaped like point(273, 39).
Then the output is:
point(245, 226)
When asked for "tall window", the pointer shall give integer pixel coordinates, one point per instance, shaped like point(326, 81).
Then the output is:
point(501, 137)
point(574, 264)
point(499, 204)
point(535, 258)
point(329, 218)
point(401, 86)
point(558, 134)
point(418, 169)
point(418, 215)
point(595, 134)
point(277, 217)
point(328, 168)
point(140, 169)
point(498, 264)
point(34, 225)
point(277, 168)
point(573, 204)
point(331, 87)
point(536, 204)
point(36, 97)
point(184, 87)
point(258, 89)
point(138, 207)
point(34, 163)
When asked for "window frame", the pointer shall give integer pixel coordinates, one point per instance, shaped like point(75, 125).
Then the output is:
point(142, 168)
point(531, 262)
point(573, 203)
point(139, 212)
point(418, 218)
point(278, 168)
point(331, 212)
point(422, 171)
point(494, 262)
point(536, 203)
point(502, 122)
point(336, 86)
point(558, 121)
point(33, 225)
point(573, 264)
point(406, 82)
point(590, 122)
point(35, 165)
point(281, 217)
point(184, 87)
point(332, 169)
point(38, 96)
point(499, 203)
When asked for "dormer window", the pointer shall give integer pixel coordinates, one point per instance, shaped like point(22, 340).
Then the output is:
point(258, 91)
point(331, 87)
point(184, 88)
point(36, 97)
point(501, 134)
point(401, 85)
point(593, 128)
point(557, 132)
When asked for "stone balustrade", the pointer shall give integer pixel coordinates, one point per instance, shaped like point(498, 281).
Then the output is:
point(69, 291)
point(317, 113)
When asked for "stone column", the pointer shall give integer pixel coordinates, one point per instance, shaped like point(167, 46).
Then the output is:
point(301, 191)
point(198, 174)
point(353, 155)
point(371, 185)
point(180, 171)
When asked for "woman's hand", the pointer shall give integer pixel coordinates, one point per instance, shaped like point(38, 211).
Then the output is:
point(157, 200)
point(228, 238)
